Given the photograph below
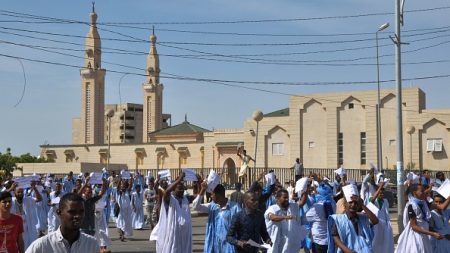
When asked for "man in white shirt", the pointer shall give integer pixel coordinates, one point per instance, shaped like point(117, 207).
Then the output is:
point(298, 169)
point(283, 225)
point(68, 237)
point(26, 207)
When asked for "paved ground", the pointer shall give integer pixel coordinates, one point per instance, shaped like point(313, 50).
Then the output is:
point(140, 243)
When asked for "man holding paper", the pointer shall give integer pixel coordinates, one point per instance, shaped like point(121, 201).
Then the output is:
point(53, 219)
point(351, 231)
point(283, 225)
point(88, 224)
point(383, 240)
point(25, 206)
point(248, 228)
point(160, 187)
point(220, 212)
point(173, 233)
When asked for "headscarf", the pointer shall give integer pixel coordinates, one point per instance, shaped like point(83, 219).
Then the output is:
point(422, 205)
point(325, 195)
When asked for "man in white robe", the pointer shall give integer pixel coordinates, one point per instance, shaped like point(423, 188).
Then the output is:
point(173, 233)
point(26, 207)
point(137, 203)
point(283, 225)
point(53, 218)
point(383, 240)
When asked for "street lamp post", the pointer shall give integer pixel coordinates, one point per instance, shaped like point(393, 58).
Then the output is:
point(109, 115)
point(379, 139)
point(410, 130)
point(257, 116)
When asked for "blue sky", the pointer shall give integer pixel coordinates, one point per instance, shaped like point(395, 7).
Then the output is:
point(52, 94)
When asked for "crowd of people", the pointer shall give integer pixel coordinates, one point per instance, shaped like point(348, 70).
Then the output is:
point(312, 213)
point(71, 214)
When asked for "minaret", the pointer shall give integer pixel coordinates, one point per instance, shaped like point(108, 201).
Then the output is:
point(153, 91)
point(92, 88)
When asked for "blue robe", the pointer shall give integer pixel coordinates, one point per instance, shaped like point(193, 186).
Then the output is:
point(439, 223)
point(361, 243)
point(409, 240)
point(107, 210)
point(219, 222)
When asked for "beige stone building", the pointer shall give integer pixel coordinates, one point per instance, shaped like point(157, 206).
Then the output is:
point(324, 130)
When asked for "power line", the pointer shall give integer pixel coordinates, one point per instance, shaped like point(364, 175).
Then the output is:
point(137, 40)
point(306, 96)
point(24, 84)
point(275, 20)
point(252, 60)
point(233, 83)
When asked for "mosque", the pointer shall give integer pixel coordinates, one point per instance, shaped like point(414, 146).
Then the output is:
point(324, 130)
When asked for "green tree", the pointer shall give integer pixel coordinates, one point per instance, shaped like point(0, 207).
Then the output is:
point(8, 161)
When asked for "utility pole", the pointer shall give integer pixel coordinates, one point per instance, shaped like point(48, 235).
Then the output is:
point(398, 73)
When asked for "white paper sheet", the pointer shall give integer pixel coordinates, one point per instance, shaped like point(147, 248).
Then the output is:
point(56, 200)
point(213, 181)
point(270, 178)
point(341, 171)
point(301, 186)
point(373, 208)
point(444, 189)
point(350, 190)
point(23, 182)
point(190, 175)
point(96, 178)
point(257, 245)
point(164, 173)
point(125, 174)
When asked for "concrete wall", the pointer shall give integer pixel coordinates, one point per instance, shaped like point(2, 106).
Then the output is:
point(63, 168)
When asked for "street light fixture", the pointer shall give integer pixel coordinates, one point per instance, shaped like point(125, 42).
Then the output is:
point(257, 116)
point(379, 139)
point(109, 115)
point(410, 130)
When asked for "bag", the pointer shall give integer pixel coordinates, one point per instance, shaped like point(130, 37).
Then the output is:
point(116, 209)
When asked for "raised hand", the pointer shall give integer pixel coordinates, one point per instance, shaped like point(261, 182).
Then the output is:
point(204, 185)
